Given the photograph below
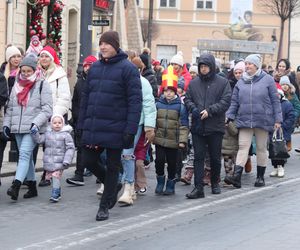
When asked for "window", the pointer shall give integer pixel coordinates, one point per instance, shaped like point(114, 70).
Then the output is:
point(205, 4)
point(168, 3)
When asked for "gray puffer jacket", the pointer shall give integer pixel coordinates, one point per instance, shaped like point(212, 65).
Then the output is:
point(38, 109)
point(59, 148)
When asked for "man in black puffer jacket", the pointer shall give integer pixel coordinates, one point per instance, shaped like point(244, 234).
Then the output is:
point(207, 98)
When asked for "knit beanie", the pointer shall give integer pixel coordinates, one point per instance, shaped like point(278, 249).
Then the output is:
point(11, 51)
point(155, 63)
point(285, 80)
point(178, 59)
point(193, 68)
point(60, 116)
point(146, 60)
point(255, 59)
point(48, 50)
point(29, 60)
point(111, 37)
point(89, 60)
point(239, 66)
point(279, 90)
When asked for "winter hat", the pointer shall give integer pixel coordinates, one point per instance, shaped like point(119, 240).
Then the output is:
point(48, 50)
point(89, 60)
point(279, 90)
point(286, 80)
point(11, 51)
point(193, 68)
point(29, 60)
point(146, 60)
point(178, 59)
point(111, 37)
point(239, 66)
point(155, 63)
point(60, 116)
point(169, 79)
point(255, 59)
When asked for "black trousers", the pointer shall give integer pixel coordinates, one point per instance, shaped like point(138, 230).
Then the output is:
point(91, 159)
point(168, 155)
point(212, 143)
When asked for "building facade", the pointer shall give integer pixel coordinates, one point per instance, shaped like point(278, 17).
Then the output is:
point(227, 28)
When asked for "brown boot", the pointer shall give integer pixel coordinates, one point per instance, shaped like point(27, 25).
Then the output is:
point(188, 175)
point(289, 145)
point(248, 166)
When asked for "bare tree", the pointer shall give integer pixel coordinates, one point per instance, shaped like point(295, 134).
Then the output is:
point(145, 31)
point(285, 10)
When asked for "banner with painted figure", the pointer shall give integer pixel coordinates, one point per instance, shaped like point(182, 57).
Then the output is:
point(241, 27)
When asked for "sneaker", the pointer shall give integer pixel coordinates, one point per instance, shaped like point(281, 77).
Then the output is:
point(100, 189)
point(55, 195)
point(280, 172)
point(142, 191)
point(44, 183)
point(87, 173)
point(274, 173)
point(77, 180)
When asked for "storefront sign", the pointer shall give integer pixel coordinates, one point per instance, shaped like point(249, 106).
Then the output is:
point(104, 5)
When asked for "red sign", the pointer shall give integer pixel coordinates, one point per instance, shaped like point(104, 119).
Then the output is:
point(102, 4)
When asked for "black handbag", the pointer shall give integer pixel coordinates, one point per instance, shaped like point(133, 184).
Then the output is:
point(277, 146)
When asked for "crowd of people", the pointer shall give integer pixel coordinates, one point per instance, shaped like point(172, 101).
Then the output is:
point(127, 110)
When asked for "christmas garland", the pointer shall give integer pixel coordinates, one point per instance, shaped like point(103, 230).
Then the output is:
point(35, 20)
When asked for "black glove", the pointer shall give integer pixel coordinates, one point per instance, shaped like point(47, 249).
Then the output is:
point(6, 132)
point(128, 140)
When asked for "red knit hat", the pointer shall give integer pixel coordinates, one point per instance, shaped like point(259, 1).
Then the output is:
point(155, 63)
point(51, 53)
point(279, 89)
point(89, 60)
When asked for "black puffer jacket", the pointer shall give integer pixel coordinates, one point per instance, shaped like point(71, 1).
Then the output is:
point(211, 92)
point(149, 74)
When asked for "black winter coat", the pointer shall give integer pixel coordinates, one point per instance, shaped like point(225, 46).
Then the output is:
point(211, 92)
point(149, 74)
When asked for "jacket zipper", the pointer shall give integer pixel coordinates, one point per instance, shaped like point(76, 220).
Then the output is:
point(251, 104)
point(20, 119)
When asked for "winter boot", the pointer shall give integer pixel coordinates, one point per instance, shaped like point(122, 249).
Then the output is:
point(160, 184)
point(55, 195)
point(170, 187)
point(196, 193)
point(13, 191)
point(235, 179)
point(260, 181)
point(188, 175)
point(32, 191)
point(206, 179)
point(280, 171)
point(126, 197)
point(102, 214)
point(274, 173)
point(248, 166)
point(215, 188)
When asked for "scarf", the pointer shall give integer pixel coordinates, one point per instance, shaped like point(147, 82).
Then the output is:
point(248, 77)
point(23, 86)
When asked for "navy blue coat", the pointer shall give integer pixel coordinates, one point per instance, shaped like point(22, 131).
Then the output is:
point(288, 119)
point(111, 102)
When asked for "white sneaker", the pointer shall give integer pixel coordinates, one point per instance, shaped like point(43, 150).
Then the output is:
point(274, 173)
point(280, 172)
point(100, 189)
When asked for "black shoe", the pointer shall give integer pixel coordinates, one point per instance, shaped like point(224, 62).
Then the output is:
point(77, 180)
point(196, 193)
point(13, 191)
point(297, 150)
point(215, 188)
point(32, 191)
point(44, 183)
point(260, 181)
point(235, 179)
point(102, 214)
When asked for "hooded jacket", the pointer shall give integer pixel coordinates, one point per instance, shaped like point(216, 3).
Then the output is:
point(111, 102)
point(209, 92)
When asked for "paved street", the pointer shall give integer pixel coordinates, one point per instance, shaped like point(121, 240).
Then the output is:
point(247, 218)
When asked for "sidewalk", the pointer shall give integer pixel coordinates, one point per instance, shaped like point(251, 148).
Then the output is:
point(9, 168)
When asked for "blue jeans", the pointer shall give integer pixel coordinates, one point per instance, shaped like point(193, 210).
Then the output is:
point(128, 159)
point(25, 168)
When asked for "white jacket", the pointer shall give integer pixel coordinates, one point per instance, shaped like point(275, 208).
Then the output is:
point(61, 93)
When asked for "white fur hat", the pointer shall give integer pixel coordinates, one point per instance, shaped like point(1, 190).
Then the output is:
point(178, 59)
point(11, 51)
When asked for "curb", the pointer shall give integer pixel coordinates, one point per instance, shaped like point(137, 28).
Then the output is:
point(39, 169)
